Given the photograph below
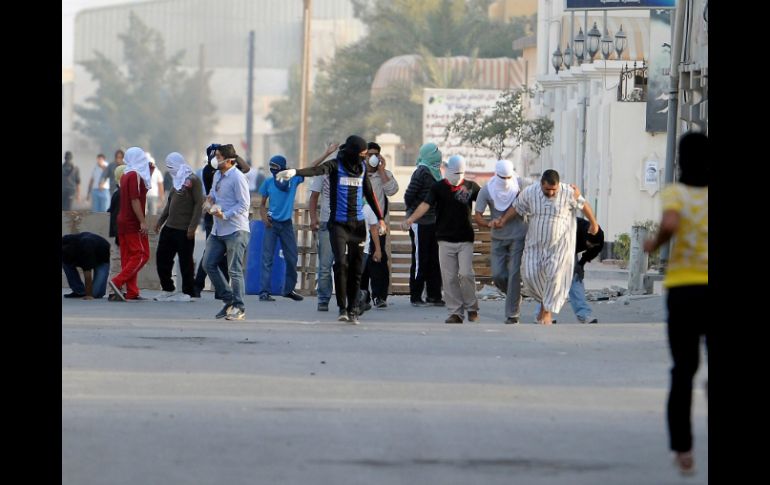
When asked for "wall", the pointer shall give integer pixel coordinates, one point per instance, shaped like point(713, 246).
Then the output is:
point(630, 145)
point(99, 223)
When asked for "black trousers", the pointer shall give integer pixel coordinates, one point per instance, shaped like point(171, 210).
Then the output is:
point(376, 273)
point(346, 239)
point(687, 322)
point(200, 277)
point(171, 243)
point(425, 270)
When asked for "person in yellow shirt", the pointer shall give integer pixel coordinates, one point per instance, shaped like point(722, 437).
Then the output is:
point(686, 220)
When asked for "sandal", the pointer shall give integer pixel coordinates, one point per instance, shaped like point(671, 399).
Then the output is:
point(685, 462)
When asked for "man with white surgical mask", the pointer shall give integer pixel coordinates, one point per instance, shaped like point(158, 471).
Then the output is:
point(452, 198)
point(508, 241)
point(384, 185)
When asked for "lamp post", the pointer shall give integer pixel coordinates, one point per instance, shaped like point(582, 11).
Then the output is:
point(593, 42)
point(556, 59)
point(620, 42)
point(606, 45)
point(580, 43)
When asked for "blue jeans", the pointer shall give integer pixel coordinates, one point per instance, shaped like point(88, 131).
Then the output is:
point(284, 232)
point(100, 200)
point(325, 262)
point(506, 272)
point(232, 247)
point(577, 300)
point(99, 282)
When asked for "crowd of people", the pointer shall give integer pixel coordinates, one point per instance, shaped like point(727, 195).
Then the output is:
point(536, 231)
point(536, 235)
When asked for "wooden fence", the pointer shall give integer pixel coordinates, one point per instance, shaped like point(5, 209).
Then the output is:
point(399, 249)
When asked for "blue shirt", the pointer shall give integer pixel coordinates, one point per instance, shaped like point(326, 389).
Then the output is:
point(281, 203)
point(231, 192)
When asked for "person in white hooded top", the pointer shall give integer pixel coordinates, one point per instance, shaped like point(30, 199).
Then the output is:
point(508, 241)
point(179, 220)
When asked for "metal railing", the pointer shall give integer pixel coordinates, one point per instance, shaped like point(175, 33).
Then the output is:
point(633, 83)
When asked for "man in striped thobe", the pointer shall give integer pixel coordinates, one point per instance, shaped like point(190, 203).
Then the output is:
point(549, 248)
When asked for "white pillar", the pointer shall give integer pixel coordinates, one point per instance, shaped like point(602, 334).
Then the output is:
point(637, 264)
point(543, 53)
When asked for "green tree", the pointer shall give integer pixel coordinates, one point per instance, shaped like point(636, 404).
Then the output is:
point(504, 128)
point(342, 104)
point(284, 116)
point(150, 102)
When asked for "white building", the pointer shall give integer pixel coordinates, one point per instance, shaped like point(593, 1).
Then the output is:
point(221, 29)
point(618, 149)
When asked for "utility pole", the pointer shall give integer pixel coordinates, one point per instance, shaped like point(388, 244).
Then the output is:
point(306, 13)
point(250, 100)
point(199, 104)
point(677, 24)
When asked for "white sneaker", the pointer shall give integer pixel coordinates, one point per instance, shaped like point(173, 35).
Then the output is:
point(164, 295)
point(179, 297)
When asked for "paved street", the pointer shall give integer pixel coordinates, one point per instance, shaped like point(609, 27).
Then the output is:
point(161, 393)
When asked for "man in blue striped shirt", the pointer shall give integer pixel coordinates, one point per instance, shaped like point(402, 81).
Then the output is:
point(348, 187)
point(229, 201)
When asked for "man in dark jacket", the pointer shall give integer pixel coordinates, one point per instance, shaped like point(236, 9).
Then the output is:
point(89, 252)
point(425, 270)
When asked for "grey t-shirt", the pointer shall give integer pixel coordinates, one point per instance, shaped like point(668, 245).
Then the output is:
point(320, 183)
point(516, 228)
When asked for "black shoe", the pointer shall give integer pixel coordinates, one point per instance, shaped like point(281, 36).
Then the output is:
point(420, 303)
point(380, 303)
point(195, 294)
point(435, 302)
point(595, 320)
point(512, 320)
point(454, 318)
point(473, 316)
point(353, 318)
point(74, 295)
point(294, 296)
point(323, 307)
point(266, 297)
point(223, 312)
point(343, 316)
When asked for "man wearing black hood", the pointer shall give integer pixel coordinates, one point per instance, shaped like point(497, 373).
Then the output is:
point(348, 186)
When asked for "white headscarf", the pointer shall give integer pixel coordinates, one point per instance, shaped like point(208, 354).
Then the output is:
point(178, 168)
point(503, 191)
point(137, 161)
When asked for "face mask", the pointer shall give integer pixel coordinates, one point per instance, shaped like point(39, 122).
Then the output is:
point(374, 162)
point(454, 178)
point(214, 163)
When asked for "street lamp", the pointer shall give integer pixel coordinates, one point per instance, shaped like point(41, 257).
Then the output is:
point(580, 41)
point(593, 42)
point(620, 41)
point(556, 59)
point(606, 44)
point(568, 57)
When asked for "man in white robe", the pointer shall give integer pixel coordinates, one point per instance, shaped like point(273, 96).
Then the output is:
point(549, 249)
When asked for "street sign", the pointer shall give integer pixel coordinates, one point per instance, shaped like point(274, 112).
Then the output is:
point(618, 4)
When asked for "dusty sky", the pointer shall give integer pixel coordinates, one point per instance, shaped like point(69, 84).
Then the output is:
point(68, 10)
